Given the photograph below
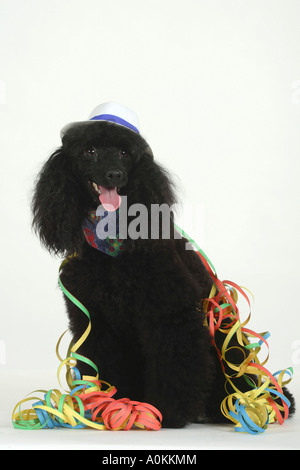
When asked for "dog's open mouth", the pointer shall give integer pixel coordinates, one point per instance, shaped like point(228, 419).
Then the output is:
point(108, 197)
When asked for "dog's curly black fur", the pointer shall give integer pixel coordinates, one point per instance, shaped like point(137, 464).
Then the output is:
point(147, 335)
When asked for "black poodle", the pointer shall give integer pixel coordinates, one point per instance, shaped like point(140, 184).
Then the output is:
point(144, 294)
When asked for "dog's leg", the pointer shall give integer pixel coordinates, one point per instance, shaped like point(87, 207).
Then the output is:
point(179, 366)
point(179, 369)
point(111, 343)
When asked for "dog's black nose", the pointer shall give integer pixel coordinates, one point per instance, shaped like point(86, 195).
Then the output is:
point(114, 176)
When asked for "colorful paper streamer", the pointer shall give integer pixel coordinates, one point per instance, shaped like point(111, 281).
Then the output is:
point(89, 401)
point(254, 410)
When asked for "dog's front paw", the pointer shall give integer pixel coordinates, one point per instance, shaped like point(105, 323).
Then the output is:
point(173, 423)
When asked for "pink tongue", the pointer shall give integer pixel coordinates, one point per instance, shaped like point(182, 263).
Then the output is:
point(109, 198)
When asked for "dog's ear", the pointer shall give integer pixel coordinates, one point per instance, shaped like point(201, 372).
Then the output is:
point(58, 205)
point(150, 183)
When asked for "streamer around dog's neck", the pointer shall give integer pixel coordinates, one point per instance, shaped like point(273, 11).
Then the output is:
point(109, 246)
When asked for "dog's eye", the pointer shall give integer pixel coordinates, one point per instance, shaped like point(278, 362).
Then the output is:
point(123, 153)
point(90, 152)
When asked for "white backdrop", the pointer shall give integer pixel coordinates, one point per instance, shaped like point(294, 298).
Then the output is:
point(216, 85)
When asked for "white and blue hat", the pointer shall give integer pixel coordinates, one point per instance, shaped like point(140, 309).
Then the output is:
point(110, 112)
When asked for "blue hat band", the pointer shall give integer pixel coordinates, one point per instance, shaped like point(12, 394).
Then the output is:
point(116, 119)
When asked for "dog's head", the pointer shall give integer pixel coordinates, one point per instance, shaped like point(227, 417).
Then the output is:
point(96, 164)
point(102, 156)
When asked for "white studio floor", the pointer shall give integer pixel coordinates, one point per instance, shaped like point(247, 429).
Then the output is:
point(15, 386)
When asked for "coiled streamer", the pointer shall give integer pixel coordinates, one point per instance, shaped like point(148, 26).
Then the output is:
point(265, 402)
point(89, 401)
